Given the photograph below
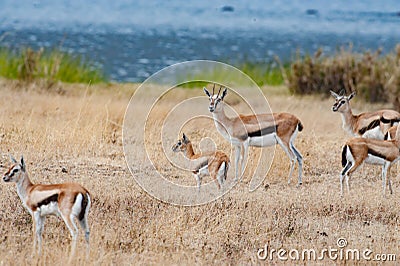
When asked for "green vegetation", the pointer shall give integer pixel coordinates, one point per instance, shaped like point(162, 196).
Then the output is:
point(28, 65)
point(265, 73)
point(261, 73)
point(375, 78)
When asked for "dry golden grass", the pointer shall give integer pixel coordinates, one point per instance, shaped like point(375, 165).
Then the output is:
point(80, 131)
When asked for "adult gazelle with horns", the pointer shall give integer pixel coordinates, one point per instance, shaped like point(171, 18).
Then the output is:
point(260, 130)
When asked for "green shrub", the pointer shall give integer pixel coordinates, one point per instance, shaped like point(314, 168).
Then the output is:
point(374, 77)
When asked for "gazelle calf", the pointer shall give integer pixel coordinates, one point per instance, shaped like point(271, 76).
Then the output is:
point(68, 200)
point(215, 164)
point(371, 151)
point(260, 130)
point(369, 124)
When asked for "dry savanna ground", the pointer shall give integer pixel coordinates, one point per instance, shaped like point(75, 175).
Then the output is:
point(75, 134)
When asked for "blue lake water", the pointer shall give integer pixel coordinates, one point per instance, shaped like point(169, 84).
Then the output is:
point(133, 39)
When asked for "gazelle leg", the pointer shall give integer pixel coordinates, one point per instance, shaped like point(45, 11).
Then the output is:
point(299, 158)
point(245, 150)
point(198, 180)
point(347, 183)
point(85, 226)
point(384, 175)
point(34, 235)
point(341, 184)
point(215, 177)
point(221, 175)
point(73, 229)
point(38, 227)
point(344, 174)
point(237, 157)
point(291, 156)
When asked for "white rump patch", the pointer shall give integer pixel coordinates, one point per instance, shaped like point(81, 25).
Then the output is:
point(76, 208)
point(349, 156)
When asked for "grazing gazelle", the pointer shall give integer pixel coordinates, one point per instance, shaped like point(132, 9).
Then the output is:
point(260, 130)
point(215, 164)
point(371, 151)
point(68, 200)
point(369, 124)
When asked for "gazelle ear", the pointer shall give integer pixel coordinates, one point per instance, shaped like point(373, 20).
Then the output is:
point(22, 162)
point(351, 95)
point(13, 159)
point(185, 139)
point(334, 94)
point(206, 91)
point(224, 93)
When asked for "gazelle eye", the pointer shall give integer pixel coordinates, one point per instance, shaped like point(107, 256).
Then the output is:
point(179, 142)
point(343, 102)
point(15, 170)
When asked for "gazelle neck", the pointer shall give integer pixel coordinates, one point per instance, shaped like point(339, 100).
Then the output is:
point(348, 120)
point(23, 186)
point(189, 152)
point(221, 120)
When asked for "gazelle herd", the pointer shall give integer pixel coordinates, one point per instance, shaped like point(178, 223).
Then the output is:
point(376, 141)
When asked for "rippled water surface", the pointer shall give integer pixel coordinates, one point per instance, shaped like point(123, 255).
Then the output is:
point(133, 39)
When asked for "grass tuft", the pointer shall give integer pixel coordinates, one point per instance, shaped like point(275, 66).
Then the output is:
point(51, 65)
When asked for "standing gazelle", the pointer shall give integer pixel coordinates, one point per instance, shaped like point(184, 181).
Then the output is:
point(216, 164)
point(371, 151)
point(68, 200)
point(369, 124)
point(260, 130)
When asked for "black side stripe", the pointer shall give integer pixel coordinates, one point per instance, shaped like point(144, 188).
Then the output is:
point(261, 132)
point(391, 121)
point(377, 154)
point(46, 201)
point(371, 125)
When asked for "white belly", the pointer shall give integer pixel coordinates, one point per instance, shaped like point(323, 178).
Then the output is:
point(49, 209)
point(204, 171)
point(374, 133)
point(263, 141)
point(371, 159)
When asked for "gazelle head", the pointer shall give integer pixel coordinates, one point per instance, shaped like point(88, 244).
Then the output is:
point(14, 172)
point(341, 102)
point(182, 144)
point(215, 99)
